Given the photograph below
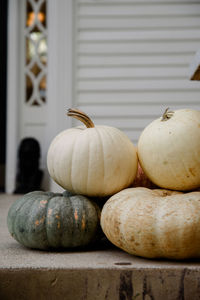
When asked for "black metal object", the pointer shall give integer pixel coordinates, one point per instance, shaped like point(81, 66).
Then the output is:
point(29, 176)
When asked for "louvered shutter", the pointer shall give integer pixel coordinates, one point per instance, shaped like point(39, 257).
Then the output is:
point(132, 60)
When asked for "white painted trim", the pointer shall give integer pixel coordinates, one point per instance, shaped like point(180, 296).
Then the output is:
point(12, 131)
point(60, 68)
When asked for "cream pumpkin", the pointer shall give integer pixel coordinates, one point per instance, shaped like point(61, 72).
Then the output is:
point(169, 150)
point(92, 160)
point(154, 223)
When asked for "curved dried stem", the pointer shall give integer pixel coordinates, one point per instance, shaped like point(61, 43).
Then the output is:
point(81, 116)
point(167, 114)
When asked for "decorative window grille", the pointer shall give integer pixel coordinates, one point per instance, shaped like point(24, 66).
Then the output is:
point(36, 53)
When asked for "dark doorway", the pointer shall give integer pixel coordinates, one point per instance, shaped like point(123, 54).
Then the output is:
point(3, 89)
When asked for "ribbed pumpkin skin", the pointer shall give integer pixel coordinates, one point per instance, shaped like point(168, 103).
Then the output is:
point(96, 162)
point(44, 220)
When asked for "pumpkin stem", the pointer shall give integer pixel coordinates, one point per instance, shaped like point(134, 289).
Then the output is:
point(81, 116)
point(167, 114)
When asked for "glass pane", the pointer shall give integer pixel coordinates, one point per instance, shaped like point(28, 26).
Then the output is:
point(30, 50)
point(42, 89)
point(30, 15)
point(35, 103)
point(35, 69)
point(42, 14)
point(35, 29)
point(42, 50)
point(35, 35)
point(29, 88)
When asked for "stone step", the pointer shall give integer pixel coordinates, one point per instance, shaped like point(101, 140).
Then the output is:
point(102, 272)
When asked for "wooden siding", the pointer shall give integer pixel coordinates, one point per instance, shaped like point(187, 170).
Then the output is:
point(132, 60)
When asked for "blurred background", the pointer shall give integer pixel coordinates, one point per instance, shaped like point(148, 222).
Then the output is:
point(121, 62)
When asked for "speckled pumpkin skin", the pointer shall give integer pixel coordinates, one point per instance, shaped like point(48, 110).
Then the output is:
point(154, 223)
point(44, 220)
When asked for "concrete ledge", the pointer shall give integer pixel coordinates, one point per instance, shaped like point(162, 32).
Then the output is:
point(99, 284)
point(100, 273)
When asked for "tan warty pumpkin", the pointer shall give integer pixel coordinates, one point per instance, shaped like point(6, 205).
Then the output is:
point(169, 150)
point(154, 223)
point(92, 160)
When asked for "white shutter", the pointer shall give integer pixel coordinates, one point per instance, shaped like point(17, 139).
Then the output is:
point(132, 60)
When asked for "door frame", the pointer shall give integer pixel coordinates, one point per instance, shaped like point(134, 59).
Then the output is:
point(60, 70)
point(13, 65)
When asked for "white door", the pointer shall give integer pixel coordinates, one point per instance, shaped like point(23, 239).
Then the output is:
point(27, 76)
point(39, 77)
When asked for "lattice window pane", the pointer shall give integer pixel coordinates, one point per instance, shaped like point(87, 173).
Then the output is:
point(36, 52)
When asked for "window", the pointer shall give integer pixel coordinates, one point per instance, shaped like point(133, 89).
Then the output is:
point(36, 53)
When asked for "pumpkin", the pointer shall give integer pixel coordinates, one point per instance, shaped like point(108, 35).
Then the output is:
point(141, 179)
point(154, 223)
point(92, 160)
point(169, 150)
point(44, 220)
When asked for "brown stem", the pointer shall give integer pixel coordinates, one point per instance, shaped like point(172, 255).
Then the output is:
point(167, 114)
point(81, 116)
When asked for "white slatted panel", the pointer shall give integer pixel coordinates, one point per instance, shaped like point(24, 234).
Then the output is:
point(132, 59)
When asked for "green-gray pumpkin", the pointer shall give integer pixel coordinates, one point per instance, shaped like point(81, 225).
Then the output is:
point(44, 220)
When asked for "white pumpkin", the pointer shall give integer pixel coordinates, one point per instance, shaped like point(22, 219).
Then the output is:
point(169, 150)
point(92, 160)
point(154, 223)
